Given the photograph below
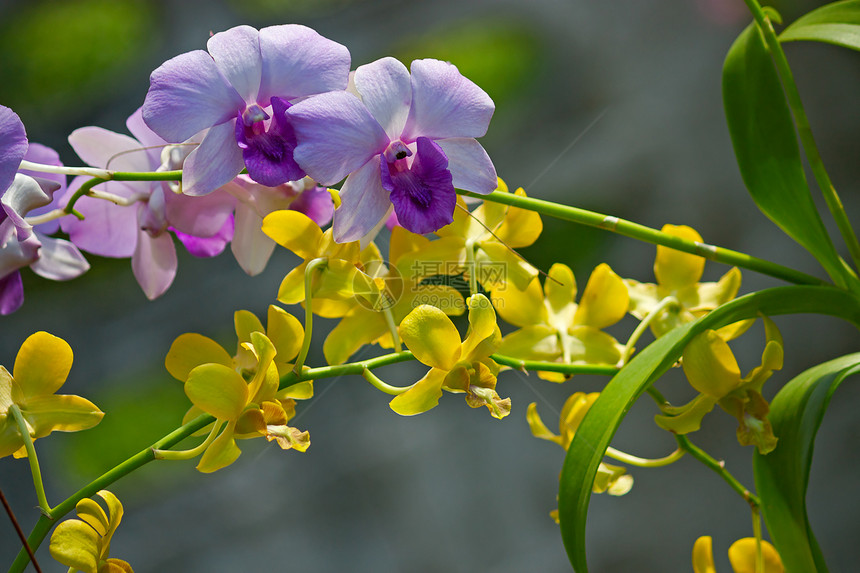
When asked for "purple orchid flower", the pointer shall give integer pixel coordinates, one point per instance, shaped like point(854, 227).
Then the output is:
point(405, 140)
point(239, 91)
point(203, 224)
point(21, 244)
point(251, 247)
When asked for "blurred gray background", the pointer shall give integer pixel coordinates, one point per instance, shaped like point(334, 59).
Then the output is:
point(613, 106)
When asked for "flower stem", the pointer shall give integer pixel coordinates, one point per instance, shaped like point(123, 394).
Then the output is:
point(24, 430)
point(719, 467)
point(46, 522)
point(193, 452)
point(377, 383)
point(64, 170)
point(309, 313)
point(804, 131)
point(644, 324)
point(392, 328)
point(644, 462)
point(524, 365)
point(649, 235)
point(472, 266)
point(759, 557)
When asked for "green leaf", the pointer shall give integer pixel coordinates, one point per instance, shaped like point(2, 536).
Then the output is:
point(837, 23)
point(603, 418)
point(782, 476)
point(765, 143)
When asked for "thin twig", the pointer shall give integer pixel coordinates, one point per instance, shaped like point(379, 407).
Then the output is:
point(19, 531)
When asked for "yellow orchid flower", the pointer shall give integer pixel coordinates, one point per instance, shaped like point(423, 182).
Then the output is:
point(490, 232)
point(742, 555)
point(611, 479)
point(332, 286)
point(455, 366)
point(553, 327)
point(678, 276)
point(241, 391)
point(83, 544)
point(391, 289)
point(711, 368)
point(41, 367)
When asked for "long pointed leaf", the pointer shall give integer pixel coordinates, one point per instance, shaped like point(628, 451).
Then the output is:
point(782, 476)
point(837, 23)
point(603, 418)
point(765, 144)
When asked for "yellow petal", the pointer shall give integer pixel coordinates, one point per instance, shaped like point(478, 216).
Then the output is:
point(604, 301)
point(354, 330)
point(572, 413)
point(286, 333)
point(521, 227)
point(403, 242)
point(536, 342)
point(560, 288)
point(222, 452)
point(742, 555)
point(245, 323)
point(462, 223)
point(712, 295)
point(422, 396)
point(92, 513)
point(710, 366)
point(431, 336)
point(295, 231)
point(41, 367)
point(116, 512)
point(61, 413)
point(115, 566)
point(686, 418)
point(217, 390)
point(191, 350)
point(703, 555)
point(676, 269)
point(482, 326)
point(643, 298)
point(498, 266)
point(521, 307)
point(587, 345)
point(612, 480)
point(76, 544)
point(537, 427)
point(292, 289)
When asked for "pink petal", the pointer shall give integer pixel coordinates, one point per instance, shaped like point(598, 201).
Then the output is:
point(237, 54)
point(59, 260)
point(251, 247)
point(154, 263)
point(364, 203)
point(469, 164)
point(102, 148)
point(215, 162)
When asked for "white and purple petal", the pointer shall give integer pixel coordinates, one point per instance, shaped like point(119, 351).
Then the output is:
point(154, 263)
point(22, 196)
point(59, 260)
point(237, 54)
point(251, 247)
point(364, 202)
point(38, 153)
point(109, 150)
point(469, 164)
point(13, 145)
point(336, 135)
point(149, 140)
point(199, 216)
point(298, 62)
point(107, 229)
point(445, 103)
point(215, 162)
point(316, 203)
point(11, 293)
point(386, 91)
point(423, 194)
point(205, 247)
point(188, 94)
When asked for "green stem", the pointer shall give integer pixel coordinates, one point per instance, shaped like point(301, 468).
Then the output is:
point(804, 131)
point(46, 522)
point(83, 190)
point(309, 313)
point(344, 369)
point(147, 175)
point(519, 364)
point(719, 467)
point(644, 462)
point(759, 557)
point(193, 452)
point(649, 235)
point(24, 430)
point(471, 265)
point(644, 324)
point(377, 383)
point(392, 328)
